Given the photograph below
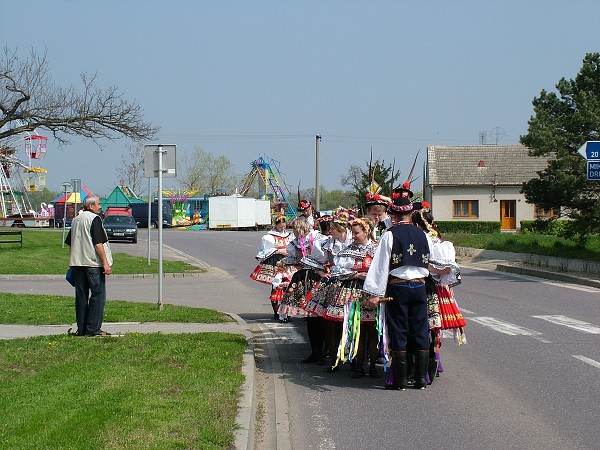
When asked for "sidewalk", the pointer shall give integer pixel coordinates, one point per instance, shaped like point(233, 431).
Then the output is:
point(565, 270)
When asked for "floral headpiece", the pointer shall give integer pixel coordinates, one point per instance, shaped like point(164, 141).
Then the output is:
point(362, 223)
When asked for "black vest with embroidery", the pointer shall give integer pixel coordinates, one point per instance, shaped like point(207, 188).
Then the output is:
point(409, 247)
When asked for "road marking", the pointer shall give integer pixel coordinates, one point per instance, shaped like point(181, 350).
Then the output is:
point(286, 333)
point(504, 327)
point(463, 310)
point(585, 359)
point(571, 323)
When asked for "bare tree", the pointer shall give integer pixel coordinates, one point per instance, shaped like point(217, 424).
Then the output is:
point(131, 170)
point(204, 172)
point(29, 99)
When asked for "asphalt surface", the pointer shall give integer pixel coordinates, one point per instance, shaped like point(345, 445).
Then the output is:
point(209, 289)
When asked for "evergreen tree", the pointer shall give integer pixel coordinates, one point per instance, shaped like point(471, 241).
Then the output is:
point(562, 123)
point(360, 179)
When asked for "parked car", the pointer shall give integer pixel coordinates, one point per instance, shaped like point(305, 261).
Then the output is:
point(121, 228)
point(139, 211)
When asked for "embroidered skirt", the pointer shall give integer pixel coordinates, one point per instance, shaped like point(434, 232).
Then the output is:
point(451, 317)
point(293, 302)
point(433, 305)
point(266, 270)
point(330, 297)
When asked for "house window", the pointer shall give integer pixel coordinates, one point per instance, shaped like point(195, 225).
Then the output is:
point(541, 213)
point(465, 208)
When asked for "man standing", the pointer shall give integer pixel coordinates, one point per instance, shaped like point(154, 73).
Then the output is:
point(91, 260)
point(306, 209)
point(399, 268)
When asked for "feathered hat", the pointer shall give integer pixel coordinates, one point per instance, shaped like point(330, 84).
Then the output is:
point(303, 205)
point(401, 205)
point(373, 197)
point(404, 189)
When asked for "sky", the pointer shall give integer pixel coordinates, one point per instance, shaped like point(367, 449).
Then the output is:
point(246, 79)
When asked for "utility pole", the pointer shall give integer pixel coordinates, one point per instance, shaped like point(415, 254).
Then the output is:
point(317, 175)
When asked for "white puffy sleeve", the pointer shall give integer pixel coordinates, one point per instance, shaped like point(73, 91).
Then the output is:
point(267, 247)
point(377, 276)
point(443, 255)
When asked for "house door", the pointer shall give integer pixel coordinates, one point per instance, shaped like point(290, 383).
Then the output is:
point(508, 215)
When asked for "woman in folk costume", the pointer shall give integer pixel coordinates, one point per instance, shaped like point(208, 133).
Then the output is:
point(359, 321)
point(321, 259)
point(302, 254)
point(322, 293)
point(272, 250)
point(444, 313)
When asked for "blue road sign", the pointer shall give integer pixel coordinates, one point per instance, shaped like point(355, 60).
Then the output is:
point(590, 150)
point(593, 170)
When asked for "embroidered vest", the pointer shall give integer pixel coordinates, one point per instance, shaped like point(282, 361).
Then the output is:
point(409, 247)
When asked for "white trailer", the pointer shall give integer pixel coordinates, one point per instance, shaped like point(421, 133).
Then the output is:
point(234, 212)
point(263, 213)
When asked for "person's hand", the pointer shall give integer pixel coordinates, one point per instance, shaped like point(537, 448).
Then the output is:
point(107, 269)
point(360, 276)
point(323, 274)
point(373, 301)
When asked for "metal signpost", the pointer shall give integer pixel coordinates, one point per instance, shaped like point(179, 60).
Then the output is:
point(76, 183)
point(67, 189)
point(591, 152)
point(160, 161)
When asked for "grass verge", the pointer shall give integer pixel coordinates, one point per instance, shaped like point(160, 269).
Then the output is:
point(29, 309)
point(43, 254)
point(529, 243)
point(136, 392)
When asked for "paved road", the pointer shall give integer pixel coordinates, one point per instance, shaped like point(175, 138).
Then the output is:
point(528, 377)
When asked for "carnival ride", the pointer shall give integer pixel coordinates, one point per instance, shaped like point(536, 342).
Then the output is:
point(271, 186)
point(17, 178)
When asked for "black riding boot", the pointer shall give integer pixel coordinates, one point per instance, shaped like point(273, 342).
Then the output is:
point(422, 358)
point(399, 370)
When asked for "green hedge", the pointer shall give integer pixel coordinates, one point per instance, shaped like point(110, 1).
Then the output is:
point(468, 226)
point(549, 227)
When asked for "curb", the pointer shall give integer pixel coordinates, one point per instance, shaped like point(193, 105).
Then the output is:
point(110, 277)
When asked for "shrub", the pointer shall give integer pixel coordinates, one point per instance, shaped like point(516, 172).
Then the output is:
point(468, 226)
point(548, 227)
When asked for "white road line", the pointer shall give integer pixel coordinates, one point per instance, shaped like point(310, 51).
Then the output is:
point(590, 361)
point(465, 311)
point(571, 323)
point(504, 327)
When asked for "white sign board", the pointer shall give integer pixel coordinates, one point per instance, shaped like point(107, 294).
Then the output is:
point(169, 161)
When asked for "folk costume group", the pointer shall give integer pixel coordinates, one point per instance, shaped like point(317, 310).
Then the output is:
point(376, 289)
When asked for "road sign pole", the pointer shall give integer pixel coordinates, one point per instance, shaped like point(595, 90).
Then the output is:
point(149, 218)
point(160, 227)
point(159, 161)
point(66, 186)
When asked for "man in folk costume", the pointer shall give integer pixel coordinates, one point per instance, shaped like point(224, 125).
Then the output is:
point(306, 209)
point(399, 268)
point(376, 203)
point(376, 209)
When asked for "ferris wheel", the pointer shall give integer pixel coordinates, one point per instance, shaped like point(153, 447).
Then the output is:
point(21, 174)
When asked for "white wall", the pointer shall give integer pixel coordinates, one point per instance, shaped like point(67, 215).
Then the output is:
point(442, 198)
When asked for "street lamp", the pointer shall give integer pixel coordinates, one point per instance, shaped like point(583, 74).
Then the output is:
point(317, 175)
